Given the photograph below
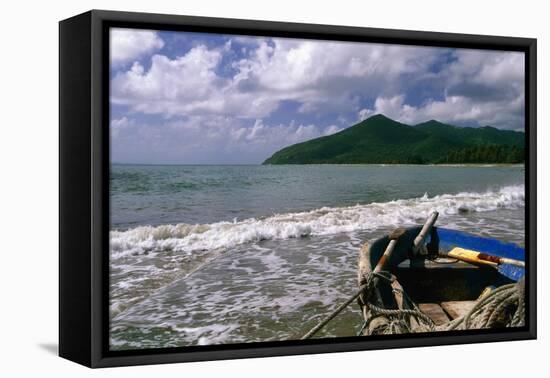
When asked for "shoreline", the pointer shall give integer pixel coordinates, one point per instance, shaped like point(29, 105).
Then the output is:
point(480, 165)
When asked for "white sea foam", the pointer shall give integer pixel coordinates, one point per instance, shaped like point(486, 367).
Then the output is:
point(188, 239)
point(157, 276)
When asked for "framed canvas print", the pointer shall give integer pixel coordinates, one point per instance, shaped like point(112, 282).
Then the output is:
point(234, 188)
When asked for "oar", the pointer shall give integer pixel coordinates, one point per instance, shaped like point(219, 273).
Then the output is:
point(480, 258)
point(394, 237)
point(419, 240)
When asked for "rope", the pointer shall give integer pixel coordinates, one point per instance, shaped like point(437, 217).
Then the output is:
point(332, 315)
point(366, 288)
point(396, 322)
point(503, 307)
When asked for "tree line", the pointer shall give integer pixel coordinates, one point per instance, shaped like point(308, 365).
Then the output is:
point(485, 154)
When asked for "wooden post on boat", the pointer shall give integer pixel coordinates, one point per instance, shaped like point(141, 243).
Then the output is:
point(394, 237)
point(419, 240)
point(365, 268)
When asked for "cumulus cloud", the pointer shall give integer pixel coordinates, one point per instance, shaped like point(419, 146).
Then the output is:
point(363, 114)
point(483, 88)
point(321, 76)
point(119, 124)
point(453, 109)
point(130, 44)
point(226, 97)
point(178, 86)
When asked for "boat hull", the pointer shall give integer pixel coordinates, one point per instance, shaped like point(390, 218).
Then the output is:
point(442, 286)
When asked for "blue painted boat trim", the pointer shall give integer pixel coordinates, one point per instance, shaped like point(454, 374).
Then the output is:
point(448, 239)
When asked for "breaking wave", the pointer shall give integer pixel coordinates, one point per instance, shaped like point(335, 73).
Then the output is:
point(188, 238)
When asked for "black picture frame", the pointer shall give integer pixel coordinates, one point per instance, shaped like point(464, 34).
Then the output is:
point(84, 186)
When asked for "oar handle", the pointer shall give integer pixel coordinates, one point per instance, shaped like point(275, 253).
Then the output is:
point(385, 257)
point(394, 237)
point(419, 240)
point(501, 260)
point(505, 260)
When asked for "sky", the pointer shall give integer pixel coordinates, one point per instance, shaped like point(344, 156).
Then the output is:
point(197, 98)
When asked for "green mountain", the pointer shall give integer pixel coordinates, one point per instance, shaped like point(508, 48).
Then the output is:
point(381, 140)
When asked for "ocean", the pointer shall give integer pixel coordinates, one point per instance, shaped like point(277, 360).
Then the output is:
point(205, 255)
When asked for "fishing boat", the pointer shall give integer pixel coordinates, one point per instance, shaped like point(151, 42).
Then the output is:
point(426, 279)
point(434, 279)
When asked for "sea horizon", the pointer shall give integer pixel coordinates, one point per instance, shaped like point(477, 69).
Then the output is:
point(323, 164)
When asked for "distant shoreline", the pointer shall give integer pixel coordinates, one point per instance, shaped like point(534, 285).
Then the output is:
point(479, 165)
point(488, 165)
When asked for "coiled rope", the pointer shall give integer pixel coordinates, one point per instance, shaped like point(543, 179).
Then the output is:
point(503, 307)
point(371, 280)
point(397, 320)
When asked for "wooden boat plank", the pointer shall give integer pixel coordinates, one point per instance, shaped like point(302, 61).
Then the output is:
point(456, 309)
point(435, 312)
